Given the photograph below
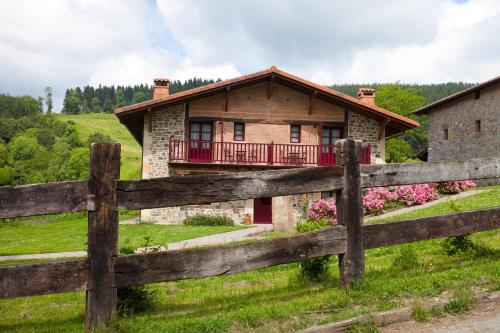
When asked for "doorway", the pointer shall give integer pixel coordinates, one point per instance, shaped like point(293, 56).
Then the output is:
point(200, 142)
point(329, 135)
point(263, 210)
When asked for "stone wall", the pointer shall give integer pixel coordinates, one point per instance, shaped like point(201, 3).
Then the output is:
point(460, 117)
point(366, 129)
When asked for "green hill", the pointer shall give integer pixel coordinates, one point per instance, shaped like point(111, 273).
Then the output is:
point(89, 123)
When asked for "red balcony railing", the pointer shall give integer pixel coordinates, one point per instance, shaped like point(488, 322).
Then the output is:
point(255, 153)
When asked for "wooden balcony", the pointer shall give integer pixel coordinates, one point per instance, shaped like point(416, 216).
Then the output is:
point(270, 154)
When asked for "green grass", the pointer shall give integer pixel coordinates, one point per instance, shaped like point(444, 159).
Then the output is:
point(275, 300)
point(68, 232)
point(108, 123)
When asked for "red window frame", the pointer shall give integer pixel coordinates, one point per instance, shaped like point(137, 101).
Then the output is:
point(242, 132)
point(296, 139)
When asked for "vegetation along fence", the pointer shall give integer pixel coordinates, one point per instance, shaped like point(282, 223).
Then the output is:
point(103, 195)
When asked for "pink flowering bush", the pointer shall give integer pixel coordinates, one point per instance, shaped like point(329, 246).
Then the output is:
point(416, 194)
point(323, 210)
point(376, 198)
point(455, 187)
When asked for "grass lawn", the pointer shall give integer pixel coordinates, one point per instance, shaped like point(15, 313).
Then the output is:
point(68, 232)
point(274, 300)
point(108, 123)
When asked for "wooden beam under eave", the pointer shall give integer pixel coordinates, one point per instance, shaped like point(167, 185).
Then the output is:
point(312, 97)
point(381, 128)
point(226, 106)
point(150, 120)
point(270, 87)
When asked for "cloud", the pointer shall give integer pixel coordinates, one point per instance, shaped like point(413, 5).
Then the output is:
point(65, 44)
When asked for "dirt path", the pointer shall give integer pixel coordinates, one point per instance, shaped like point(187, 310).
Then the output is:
point(484, 318)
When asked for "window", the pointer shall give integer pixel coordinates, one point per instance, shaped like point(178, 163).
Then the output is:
point(327, 195)
point(445, 134)
point(239, 131)
point(478, 126)
point(295, 133)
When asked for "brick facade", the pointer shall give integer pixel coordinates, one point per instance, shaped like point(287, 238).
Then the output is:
point(460, 119)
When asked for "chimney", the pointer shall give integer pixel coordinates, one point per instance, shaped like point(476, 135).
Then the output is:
point(366, 95)
point(161, 88)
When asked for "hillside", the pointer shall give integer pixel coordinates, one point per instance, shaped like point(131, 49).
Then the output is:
point(107, 123)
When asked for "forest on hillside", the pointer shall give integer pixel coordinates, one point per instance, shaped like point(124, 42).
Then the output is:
point(107, 98)
point(37, 147)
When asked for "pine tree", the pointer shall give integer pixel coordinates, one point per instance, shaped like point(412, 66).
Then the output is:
point(120, 98)
point(40, 104)
point(48, 100)
point(94, 105)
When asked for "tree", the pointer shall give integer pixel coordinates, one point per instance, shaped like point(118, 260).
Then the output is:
point(48, 100)
point(139, 96)
point(403, 101)
point(108, 106)
point(120, 98)
point(94, 105)
point(85, 107)
point(71, 103)
point(40, 104)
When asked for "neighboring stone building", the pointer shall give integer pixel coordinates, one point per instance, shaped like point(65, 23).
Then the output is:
point(266, 120)
point(466, 124)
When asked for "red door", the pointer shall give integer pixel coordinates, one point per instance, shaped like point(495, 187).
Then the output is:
point(263, 210)
point(327, 148)
point(200, 142)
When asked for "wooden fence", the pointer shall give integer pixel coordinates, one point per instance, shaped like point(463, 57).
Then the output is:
point(103, 195)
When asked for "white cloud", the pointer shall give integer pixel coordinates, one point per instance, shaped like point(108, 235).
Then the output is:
point(73, 43)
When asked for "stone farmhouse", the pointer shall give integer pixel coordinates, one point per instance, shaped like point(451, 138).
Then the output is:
point(266, 120)
point(466, 124)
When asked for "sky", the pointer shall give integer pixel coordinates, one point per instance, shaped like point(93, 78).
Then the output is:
point(65, 43)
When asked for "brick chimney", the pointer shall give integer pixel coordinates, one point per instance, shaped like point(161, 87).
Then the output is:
point(161, 88)
point(366, 95)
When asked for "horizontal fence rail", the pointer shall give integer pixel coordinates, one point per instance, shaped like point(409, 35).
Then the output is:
point(63, 197)
point(72, 275)
point(103, 195)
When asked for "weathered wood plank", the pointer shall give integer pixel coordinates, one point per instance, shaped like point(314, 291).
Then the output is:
point(186, 190)
point(43, 278)
point(384, 234)
point(49, 198)
point(103, 234)
point(227, 259)
point(350, 213)
point(431, 172)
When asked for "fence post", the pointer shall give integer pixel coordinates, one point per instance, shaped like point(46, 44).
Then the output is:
point(350, 212)
point(104, 169)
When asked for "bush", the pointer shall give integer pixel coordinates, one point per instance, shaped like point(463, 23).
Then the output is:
point(375, 200)
point(416, 194)
point(323, 210)
point(98, 137)
point(317, 268)
point(455, 187)
point(208, 220)
point(134, 299)
point(457, 244)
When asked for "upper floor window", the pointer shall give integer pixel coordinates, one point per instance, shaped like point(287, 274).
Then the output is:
point(478, 126)
point(239, 131)
point(295, 133)
point(445, 134)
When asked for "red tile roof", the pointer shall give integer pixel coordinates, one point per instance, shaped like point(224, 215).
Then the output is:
point(397, 123)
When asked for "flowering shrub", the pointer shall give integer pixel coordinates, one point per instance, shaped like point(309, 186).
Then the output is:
point(323, 210)
point(375, 199)
point(416, 194)
point(455, 187)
